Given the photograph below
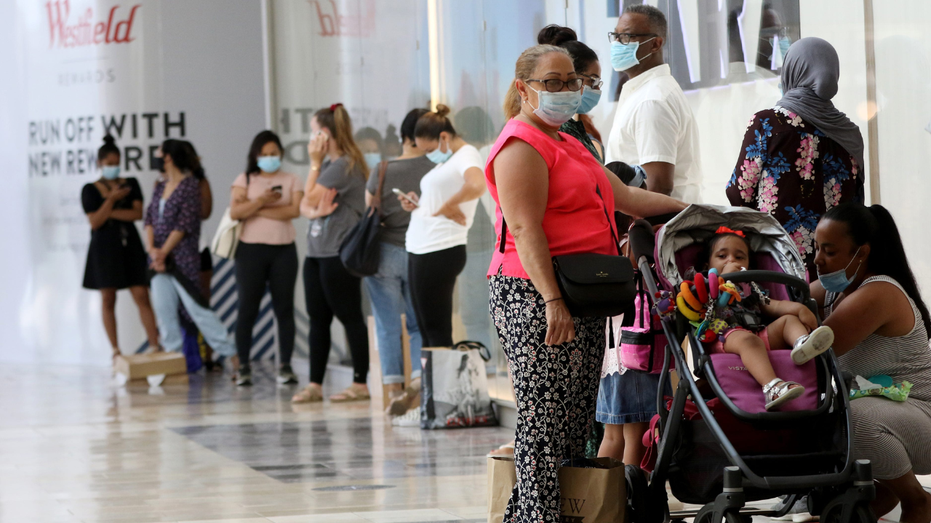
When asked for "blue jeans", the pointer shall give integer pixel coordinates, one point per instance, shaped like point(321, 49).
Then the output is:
point(390, 295)
point(167, 292)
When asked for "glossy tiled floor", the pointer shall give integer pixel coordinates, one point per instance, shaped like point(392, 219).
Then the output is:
point(76, 447)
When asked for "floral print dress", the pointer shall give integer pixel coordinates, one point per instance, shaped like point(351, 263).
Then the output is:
point(791, 170)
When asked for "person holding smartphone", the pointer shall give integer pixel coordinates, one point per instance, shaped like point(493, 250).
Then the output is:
point(266, 200)
point(115, 257)
point(437, 236)
point(389, 288)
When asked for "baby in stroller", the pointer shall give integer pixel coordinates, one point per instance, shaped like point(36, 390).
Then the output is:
point(739, 328)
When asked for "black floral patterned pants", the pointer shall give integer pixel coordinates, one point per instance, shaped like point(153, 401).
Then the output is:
point(556, 388)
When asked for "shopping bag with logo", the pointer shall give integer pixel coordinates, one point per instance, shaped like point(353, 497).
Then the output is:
point(454, 387)
point(590, 490)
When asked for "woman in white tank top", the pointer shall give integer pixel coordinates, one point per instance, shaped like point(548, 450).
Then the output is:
point(870, 299)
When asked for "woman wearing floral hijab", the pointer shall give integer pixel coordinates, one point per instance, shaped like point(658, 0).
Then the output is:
point(803, 156)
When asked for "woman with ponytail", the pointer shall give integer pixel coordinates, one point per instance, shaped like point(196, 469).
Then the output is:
point(334, 200)
point(115, 257)
point(870, 298)
point(440, 221)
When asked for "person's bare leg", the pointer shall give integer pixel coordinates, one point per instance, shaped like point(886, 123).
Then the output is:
point(612, 445)
point(916, 501)
point(633, 443)
point(146, 314)
point(784, 332)
point(752, 352)
point(885, 501)
point(108, 312)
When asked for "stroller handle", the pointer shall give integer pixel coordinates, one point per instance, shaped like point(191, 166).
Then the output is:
point(804, 292)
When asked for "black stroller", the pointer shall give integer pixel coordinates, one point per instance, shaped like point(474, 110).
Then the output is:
point(705, 458)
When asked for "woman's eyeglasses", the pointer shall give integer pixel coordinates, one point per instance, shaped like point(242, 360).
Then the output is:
point(593, 81)
point(624, 38)
point(554, 85)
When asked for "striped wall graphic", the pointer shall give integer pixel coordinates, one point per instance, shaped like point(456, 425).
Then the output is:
point(224, 300)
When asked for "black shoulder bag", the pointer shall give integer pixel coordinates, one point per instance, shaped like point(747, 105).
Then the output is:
point(360, 251)
point(592, 285)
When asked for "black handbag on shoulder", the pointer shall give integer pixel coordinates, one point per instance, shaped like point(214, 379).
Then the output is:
point(592, 285)
point(360, 251)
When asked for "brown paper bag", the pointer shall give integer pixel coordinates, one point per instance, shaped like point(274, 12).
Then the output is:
point(593, 495)
point(502, 476)
point(587, 495)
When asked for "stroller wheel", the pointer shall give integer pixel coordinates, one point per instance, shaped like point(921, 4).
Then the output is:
point(706, 514)
point(834, 513)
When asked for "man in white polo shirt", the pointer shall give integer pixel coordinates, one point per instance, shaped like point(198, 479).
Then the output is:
point(654, 126)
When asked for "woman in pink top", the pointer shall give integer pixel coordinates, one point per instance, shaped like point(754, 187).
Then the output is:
point(547, 187)
point(266, 200)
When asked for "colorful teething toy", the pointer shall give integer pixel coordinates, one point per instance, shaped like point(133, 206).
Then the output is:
point(713, 283)
point(686, 309)
point(688, 303)
point(664, 303)
point(728, 294)
point(700, 288)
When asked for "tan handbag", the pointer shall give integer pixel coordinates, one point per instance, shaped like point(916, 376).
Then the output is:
point(226, 238)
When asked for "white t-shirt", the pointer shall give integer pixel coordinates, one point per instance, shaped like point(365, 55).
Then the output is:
point(427, 233)
point(654, 123)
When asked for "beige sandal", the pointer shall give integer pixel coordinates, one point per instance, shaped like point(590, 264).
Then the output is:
point(352, 393)
point(309, 394)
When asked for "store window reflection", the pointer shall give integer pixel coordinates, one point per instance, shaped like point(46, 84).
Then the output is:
point(712, 43)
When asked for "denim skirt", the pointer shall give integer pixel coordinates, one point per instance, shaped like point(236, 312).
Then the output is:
point(628, 398)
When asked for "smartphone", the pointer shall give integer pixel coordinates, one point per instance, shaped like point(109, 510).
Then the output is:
point(405, 196)
point(276, 188)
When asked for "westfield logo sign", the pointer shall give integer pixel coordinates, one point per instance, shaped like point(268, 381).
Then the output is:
point(86, 30)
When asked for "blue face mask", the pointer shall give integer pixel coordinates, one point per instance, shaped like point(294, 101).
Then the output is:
point(556, 108)
point(110, 172)
point(590, 98)
point(438, 156)
point(624, 56)
point(784, 45)
point(372, 160)
point(837, 281)
point(269, 164)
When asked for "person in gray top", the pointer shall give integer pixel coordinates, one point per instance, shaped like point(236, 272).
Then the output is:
point(389, 288)
point(334, 200)
point(869, 297)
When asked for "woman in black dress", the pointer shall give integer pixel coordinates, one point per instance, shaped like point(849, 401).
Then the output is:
point(115, 258)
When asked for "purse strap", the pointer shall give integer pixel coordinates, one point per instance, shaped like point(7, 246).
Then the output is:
point(504, 226)
point(376, 198)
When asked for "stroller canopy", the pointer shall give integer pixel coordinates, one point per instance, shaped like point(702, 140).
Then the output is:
point(697, 223)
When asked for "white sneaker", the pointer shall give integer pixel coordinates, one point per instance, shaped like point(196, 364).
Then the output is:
point(807, 347)
point(410, 419)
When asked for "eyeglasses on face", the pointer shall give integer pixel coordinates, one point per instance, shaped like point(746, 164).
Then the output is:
point(591, 80)
point(554, 85)
point(624, 38)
